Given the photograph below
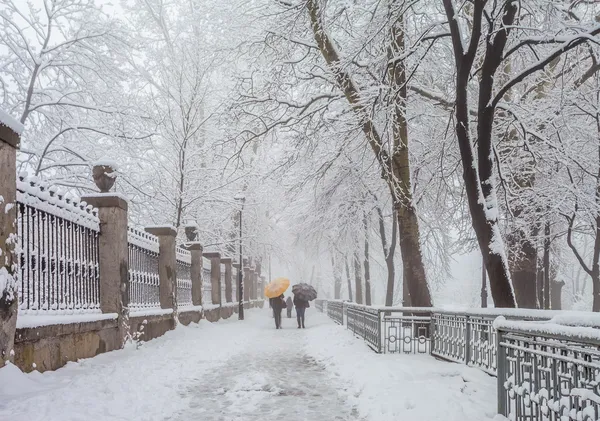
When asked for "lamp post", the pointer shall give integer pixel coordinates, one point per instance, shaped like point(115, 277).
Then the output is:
point(241, 199)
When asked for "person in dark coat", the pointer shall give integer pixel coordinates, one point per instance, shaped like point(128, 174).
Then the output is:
point(290, 306)
point(301, 306)
point(277, 304)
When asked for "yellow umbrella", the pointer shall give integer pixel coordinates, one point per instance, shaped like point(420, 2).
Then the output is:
point(277, 287)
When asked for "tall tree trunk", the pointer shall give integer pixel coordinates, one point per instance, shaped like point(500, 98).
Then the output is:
point(367, 269)
point(348, 278)
point(337, 279)
point(395, 169)
point(358, 293)
point(522, 258)
point(389, 255)
point(408, 222)
point(406, 298)
point(478, 174)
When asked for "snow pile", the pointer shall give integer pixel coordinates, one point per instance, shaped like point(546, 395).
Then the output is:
point(29, 321)
point(11, 122)
point(585, 328)
point(13, 382)
point(143, 239)
point(396, 386)
point(107, 163)
point(36, 194)
point(144, 312)
point(188, 308)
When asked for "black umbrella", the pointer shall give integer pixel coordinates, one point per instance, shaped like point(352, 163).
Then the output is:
point(304, 292)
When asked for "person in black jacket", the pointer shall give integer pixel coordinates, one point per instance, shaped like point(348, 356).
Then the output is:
point(301, 306)
point(277, 304)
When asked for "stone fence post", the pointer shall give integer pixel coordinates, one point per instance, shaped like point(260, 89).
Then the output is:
point(238, 291)
point(195, 250)
point(227, 261)
point(9, 302)
point(113, 263)
point(215, 276)
point(167, 264)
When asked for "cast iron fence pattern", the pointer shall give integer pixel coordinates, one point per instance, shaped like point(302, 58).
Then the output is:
point(406, 332)
point(335, 310)
point(365, 322)
point(542, 375)
point(184, 277)
point(548, 377)
point(144, 280)
point(57, 247)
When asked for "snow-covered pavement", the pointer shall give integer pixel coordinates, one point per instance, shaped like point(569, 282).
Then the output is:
point(250, 371)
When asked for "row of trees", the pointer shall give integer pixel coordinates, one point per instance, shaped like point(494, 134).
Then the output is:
point(363, 134)
point(488, 107)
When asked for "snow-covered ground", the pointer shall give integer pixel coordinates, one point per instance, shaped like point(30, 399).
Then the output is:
point(250, 371)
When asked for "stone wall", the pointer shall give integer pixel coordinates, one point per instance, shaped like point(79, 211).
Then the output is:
point(50, 347)
point(187, 317)
point(154, 326)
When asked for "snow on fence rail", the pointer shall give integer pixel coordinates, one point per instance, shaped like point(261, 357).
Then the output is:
point(144, 280)
point(547, 364)
point(57, 251)
point(184, 278)
point(548, 371)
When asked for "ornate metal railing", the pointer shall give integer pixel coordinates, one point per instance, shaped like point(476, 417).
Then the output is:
point(184, 277)
point(548, 372)
point(545, 370)
point(319, 305)
point(335, 310)
point(57, 246)
point(406, 331)
point(144, 281)
point(365, 322)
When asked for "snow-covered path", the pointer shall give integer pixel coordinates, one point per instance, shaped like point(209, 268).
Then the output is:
point(272, 378)
point(249, 371)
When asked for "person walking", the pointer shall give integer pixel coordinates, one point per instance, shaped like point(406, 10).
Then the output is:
point(289, 306)
point(277, 304)
point(301, 306)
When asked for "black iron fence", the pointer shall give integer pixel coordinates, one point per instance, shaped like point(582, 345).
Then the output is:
point(144, 280)
point(545, 370)
point(335, 310)
point(184, 278)
point(57, 246)
point(548, 372)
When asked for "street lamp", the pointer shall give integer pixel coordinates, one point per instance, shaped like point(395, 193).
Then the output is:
point(240, 288)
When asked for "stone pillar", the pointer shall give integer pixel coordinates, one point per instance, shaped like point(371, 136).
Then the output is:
point(113, 264)
point(195, 250)
point(167, 264)
point(215, 276)
point(247, 283)
point(227, 261)
point(9, 302)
